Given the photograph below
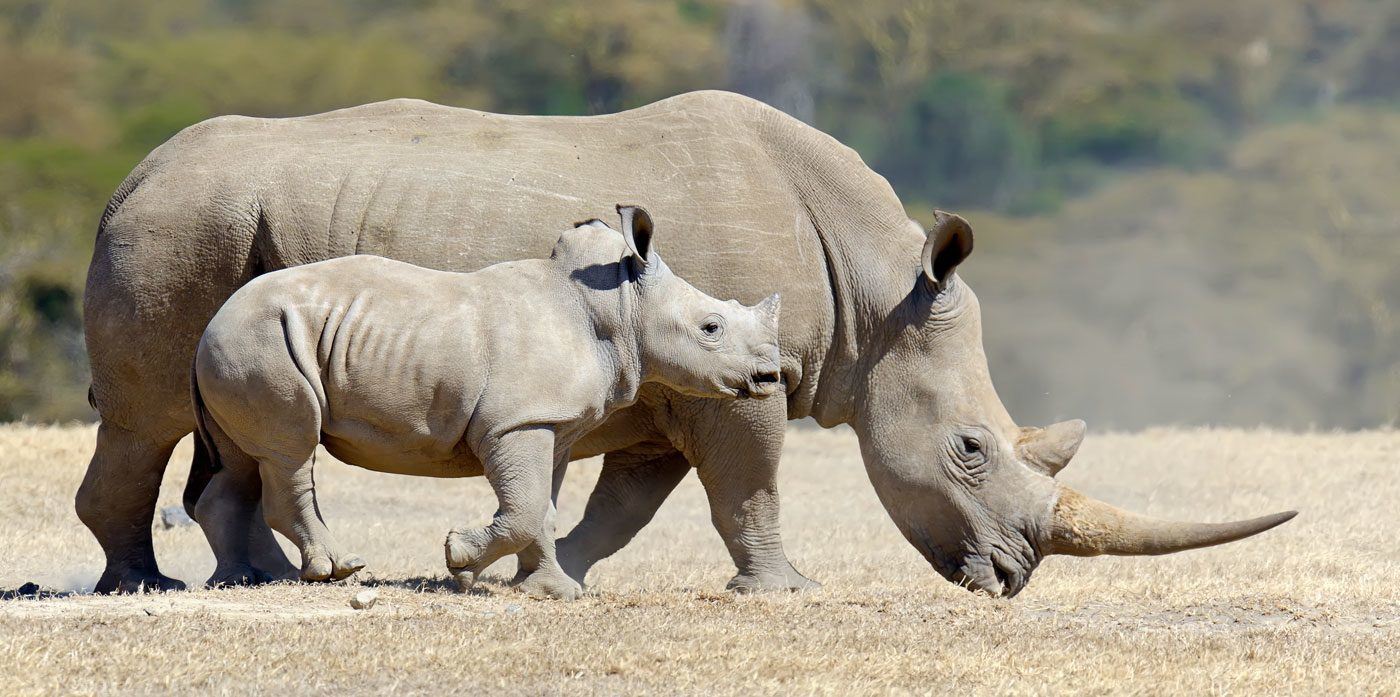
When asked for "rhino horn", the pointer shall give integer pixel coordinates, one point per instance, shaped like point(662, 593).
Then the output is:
point(1047, 450)
point(771, 306)
point(1084, 527)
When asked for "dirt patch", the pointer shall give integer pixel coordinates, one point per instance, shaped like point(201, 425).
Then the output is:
point(1309, 607)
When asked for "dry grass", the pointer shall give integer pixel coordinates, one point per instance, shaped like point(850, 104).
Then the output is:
point(1310, 607)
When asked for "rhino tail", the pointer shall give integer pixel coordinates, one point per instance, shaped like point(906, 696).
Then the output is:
point(206, 453)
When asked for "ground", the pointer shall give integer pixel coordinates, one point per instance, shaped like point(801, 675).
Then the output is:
point(1309, 607)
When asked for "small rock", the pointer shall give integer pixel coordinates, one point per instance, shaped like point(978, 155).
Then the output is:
point(365, 599)
point(514, 609)
point(175, 517)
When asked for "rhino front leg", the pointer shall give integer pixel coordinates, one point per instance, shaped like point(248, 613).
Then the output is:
point(736, 448)
point(519, 466)
point(539, 573)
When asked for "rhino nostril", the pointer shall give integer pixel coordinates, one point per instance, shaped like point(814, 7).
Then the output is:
point(765, 378)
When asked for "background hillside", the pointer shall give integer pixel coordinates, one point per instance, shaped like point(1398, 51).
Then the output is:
point(1187, 212)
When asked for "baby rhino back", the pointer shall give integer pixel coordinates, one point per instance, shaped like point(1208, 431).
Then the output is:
point(376, 358)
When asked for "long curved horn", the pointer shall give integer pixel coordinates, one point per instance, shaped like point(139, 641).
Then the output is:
point(1084, 527)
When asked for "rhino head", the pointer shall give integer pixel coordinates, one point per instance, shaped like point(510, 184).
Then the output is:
point(690, 341)
point(971, 490)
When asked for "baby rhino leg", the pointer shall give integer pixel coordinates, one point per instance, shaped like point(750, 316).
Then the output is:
point(518, 465)
point(289, 502)
point(540, 574)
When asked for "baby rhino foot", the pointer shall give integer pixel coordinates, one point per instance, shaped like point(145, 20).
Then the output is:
point(466, 551)
point(331, 567)
point(550, 583)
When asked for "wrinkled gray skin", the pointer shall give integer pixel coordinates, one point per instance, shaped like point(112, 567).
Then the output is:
point(878, 331)
point(402, 369)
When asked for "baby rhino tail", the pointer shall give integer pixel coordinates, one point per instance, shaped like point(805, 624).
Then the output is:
point(206, 454)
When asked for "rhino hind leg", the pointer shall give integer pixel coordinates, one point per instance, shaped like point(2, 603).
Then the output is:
point(265, 553)
point(224, 498)
point(289, 503)
point(116, 502)
point(225, 512)
point(629, 491)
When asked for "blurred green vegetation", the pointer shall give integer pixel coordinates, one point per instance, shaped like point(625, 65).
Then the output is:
point(1185, 210)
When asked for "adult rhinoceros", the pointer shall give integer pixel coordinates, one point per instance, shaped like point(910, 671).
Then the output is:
point(877, 330)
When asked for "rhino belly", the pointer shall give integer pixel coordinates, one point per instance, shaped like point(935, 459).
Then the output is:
point(397, 457)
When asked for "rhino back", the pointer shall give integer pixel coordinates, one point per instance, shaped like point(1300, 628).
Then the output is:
point(458, 189)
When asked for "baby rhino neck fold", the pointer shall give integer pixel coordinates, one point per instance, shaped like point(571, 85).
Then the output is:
point(606, 298)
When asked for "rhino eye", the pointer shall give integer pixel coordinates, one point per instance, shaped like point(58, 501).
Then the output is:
point(971, 445)
point(712, 327)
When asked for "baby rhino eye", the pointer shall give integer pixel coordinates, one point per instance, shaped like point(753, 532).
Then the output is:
point(712, 327)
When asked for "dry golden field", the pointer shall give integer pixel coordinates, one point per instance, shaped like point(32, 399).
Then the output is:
point(1311, 607)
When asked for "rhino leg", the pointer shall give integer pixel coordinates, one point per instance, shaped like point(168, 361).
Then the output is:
point(540, 575)
point(629, 491)
point(518, 465)
point(116, 502)
point(225, 512)
point(534, 554)
point(267, 556)
point(268, 560)
point(736, 447)
point(289, 502)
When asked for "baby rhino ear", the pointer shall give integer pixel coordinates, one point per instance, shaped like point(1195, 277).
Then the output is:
point(637, 231)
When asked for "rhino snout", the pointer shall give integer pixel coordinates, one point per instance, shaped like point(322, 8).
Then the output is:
point(764, 382)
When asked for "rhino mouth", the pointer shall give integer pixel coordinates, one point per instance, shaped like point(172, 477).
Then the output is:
point(993, 574)
point(759, 385)
point(996, 579)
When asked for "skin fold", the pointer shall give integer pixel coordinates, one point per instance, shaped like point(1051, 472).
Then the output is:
point(878, 331)
point(407, 370)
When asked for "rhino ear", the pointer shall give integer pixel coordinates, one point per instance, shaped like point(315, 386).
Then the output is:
point(637, 231)
point(1047, 450)
point(947, 245)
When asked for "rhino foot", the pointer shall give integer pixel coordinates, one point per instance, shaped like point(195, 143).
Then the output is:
point(242, 575)
point(467, 551)
point(549, 583)
point(767, 582)
point(332, 568)
point(132, 581)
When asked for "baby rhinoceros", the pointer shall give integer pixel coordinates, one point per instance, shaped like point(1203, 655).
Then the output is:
point(398, 368)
